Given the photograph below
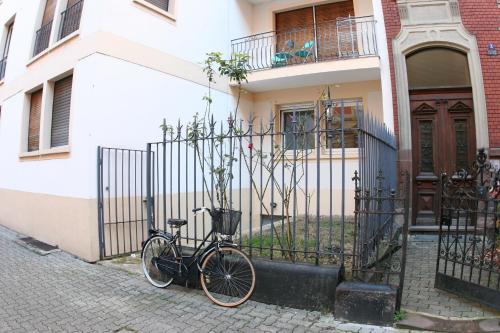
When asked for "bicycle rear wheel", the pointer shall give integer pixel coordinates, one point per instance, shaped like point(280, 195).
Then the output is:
point(159, 261)
point(227, 277)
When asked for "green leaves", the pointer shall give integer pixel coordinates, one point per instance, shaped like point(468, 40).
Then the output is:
point(236, 68)
point(167, 128)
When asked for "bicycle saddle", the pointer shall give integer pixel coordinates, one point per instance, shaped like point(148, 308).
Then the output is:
point(176, 223)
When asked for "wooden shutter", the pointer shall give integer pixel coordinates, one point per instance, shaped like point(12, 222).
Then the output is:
point(332, 11)
point(293, 29)
point(162, 4)
point(294, 19)
point(61, 112)
point(326, 28)
point(71, 3)
point(34, 121)
point(48, 14)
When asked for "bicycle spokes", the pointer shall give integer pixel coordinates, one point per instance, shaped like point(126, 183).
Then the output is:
point(228, 277)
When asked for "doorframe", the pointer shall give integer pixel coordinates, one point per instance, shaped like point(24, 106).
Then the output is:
point(416, 37)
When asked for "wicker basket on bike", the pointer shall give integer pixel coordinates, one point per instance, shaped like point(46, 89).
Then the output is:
point(225, 221)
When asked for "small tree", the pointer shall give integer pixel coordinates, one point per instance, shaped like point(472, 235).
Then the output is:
point(236, 70)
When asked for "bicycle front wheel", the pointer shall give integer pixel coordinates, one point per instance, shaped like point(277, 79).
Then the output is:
point(227, 277)
point(159, 261)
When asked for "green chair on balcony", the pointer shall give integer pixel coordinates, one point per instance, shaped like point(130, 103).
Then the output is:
point(307, 51)
point(280, 59)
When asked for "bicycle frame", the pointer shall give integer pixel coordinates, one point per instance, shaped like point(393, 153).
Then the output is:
point(199, 253)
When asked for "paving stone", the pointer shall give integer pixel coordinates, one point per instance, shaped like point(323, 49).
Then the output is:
point(58, 293)
point(419, 293)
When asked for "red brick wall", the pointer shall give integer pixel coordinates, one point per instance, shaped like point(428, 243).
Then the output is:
point(392, 26)
point(482, 19)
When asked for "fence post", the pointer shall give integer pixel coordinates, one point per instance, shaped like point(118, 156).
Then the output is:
point(149, 198)
point(100, 217)
point(405, 238)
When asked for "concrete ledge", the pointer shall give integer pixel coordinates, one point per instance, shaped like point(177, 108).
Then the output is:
point(475, 292)
point(365, 303)
point(300, 286)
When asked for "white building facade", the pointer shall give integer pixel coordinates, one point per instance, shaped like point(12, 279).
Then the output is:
point(80, 74)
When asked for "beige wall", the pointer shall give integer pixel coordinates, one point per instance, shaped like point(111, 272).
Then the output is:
point(369, 91)
point(69, 223)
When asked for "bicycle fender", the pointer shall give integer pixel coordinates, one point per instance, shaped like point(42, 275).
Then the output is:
point(212, 249)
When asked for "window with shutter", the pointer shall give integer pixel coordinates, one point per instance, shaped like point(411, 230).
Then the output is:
point(34, 121)
point(70, 18)
point(61, 112)
point(5, 52)
point(48, 14)
point(42, 36)
point(298, 28)
point(162, 4)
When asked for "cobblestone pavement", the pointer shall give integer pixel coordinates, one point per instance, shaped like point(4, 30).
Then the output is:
point(419, 293)
point(58, 293)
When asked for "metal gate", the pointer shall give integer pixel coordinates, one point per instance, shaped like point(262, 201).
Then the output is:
point(469, 240)
point(121, 197)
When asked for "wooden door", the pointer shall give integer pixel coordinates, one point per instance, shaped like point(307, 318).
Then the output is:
point(443, 140)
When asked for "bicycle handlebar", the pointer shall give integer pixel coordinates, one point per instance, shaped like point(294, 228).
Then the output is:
point(196, 210)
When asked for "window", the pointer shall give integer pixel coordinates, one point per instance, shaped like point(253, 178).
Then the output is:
point(162, 4)
point(42, 37)
point(351, 109)
point(70, 18)
point(48, 118)
point(438, 68)
point(298, 133)
point(162, 7)
point(5, 53)
point(34, 121)
point(315, 26)
point(59, 134)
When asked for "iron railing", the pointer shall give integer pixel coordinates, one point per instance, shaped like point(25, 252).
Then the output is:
point(297, 204)
point(469, 233)
point(343, 38)
point(381, 220)
point(121, 183)
point(42, 38)
point(3, 66)
point(70, 19)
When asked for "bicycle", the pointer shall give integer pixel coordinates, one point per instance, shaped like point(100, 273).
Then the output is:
point(227, 275)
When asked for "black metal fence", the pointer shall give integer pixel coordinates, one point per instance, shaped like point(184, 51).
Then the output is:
point(381, 221)
point(42, 38)
point(70, 19)
point(121, 183)
point(469, 233)
point(339, 39)
point(289, 173)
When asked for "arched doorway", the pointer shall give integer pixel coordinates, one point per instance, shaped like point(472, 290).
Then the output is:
point(442, 124)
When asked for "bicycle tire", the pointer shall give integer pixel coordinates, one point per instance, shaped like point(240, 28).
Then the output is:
point(155, 276)
point(227, 276)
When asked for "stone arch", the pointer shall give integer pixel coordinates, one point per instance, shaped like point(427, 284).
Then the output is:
point(414, 37)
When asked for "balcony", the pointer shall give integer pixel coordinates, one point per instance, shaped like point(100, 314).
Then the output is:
point(42, 38)
point(70, 19)
point(274, 56)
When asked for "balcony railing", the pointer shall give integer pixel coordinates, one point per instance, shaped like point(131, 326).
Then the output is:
point(343, 38)
point(3, 65)
point(42, 38)
point(70, 19)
